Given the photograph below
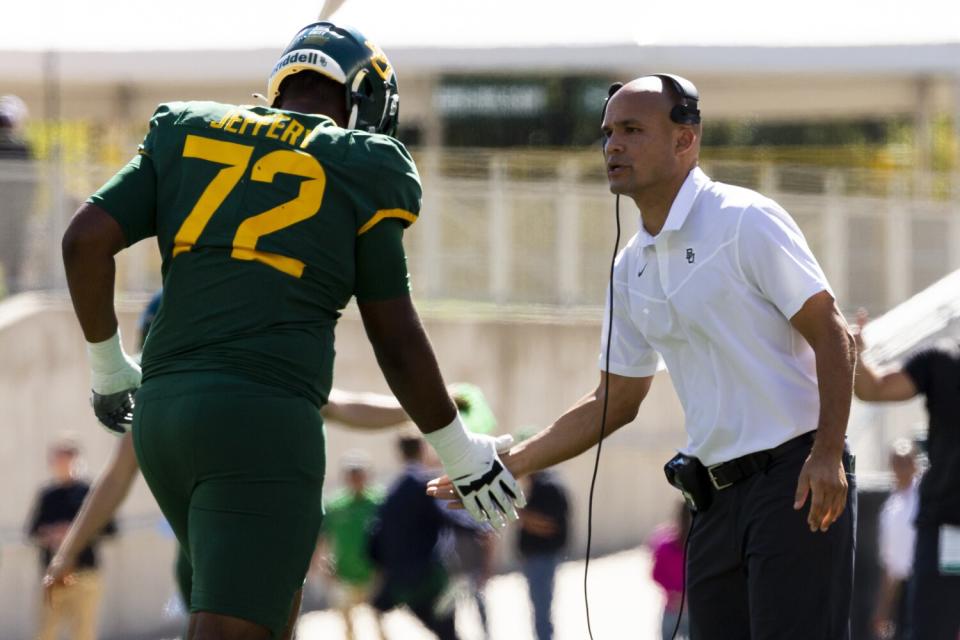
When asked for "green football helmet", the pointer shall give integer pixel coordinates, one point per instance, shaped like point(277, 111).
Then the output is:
point(345, 55)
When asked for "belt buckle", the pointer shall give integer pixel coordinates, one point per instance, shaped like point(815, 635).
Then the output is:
point(713, 479)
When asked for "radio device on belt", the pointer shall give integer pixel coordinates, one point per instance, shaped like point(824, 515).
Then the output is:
point(688, 474)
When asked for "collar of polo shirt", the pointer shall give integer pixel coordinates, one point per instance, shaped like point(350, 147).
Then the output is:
point(681, 207)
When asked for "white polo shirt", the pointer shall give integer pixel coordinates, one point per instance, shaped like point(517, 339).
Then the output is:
point(712, 294)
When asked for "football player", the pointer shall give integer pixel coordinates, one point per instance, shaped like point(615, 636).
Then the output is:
point(268, 220)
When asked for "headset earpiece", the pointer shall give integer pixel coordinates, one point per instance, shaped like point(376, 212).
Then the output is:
point(610, 91)
point(686, 112)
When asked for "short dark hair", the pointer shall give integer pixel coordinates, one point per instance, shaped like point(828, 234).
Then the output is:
point(309, 82)
point(410, 445)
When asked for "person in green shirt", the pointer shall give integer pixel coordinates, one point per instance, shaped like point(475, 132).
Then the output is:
point(345, 538)
point(268, 220)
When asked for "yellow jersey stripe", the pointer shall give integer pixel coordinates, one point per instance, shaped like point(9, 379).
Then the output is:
point(382, 214)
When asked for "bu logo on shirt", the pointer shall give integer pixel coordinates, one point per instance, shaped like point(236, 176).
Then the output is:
point(690, 255)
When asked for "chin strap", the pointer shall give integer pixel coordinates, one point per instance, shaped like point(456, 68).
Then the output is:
point(354, 98)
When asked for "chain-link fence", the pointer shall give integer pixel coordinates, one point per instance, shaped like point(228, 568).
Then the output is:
point(536, 227)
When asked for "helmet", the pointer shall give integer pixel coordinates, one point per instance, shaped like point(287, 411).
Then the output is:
point(345, 55)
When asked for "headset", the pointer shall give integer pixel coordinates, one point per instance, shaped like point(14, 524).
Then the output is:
point(686, 111)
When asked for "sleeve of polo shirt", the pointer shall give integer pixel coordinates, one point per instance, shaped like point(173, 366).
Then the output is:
point(775, 259)
point(630, 353)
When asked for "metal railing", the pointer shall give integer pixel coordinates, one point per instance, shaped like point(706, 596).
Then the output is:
point(535, 227)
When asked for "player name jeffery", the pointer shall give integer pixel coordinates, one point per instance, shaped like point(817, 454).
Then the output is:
point(274, 125)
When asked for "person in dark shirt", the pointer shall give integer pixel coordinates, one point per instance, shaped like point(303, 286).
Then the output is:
point(411, 541)
point(76, 601)
point(933, 372)
point(544, 524)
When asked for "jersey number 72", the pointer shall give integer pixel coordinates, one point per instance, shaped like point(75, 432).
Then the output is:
point(236, 157)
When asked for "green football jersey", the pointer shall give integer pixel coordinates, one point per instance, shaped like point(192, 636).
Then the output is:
point(267, 221)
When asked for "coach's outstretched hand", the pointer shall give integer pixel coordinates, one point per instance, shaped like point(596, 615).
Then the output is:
point(115, 377)
point(486, 488)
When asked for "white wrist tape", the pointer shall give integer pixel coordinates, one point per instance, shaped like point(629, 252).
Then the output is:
point(111, 369)
point(107, 356)
point(451, 442)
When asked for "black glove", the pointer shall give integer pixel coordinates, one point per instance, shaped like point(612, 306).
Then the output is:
point(114, 410)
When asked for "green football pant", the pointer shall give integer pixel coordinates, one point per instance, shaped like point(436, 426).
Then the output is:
point(237, 469)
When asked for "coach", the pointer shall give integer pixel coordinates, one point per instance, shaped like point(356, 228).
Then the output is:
point(721, 284)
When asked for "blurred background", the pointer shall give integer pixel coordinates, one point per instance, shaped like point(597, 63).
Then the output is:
point(849, 118)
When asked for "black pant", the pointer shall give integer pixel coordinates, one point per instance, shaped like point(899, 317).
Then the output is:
point(755, 571)
point(421, 597)
point(443, 625)
point(934, 598)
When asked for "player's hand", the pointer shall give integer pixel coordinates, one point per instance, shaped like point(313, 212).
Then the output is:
point(442, 487)
point(115, 377)
point(485, 487)
point(822, 478)
point(114, 411)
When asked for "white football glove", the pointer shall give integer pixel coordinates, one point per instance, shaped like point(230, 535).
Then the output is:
point(115, 377)
point(488, 490)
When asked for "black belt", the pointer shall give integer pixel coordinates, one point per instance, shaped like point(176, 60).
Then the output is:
point(729, 473)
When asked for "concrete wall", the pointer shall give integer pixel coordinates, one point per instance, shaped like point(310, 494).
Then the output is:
point(43, 390)
point(531, 368)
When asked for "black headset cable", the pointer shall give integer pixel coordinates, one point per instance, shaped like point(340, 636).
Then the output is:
point(683, 590)
point(603, 425)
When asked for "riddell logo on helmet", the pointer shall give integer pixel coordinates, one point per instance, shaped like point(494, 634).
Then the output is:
point(300, 57)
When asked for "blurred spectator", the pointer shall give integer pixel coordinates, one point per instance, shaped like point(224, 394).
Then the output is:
point(17, 183)
point(474, 409)
point(345, 537)
point(544, 524)
point(897, 534)
point(472, 565)
point(933, 372)
point(74, 603)
point(669, 563)
point(411, 544)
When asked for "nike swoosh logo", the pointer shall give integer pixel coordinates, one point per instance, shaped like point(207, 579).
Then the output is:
point(642, 270)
